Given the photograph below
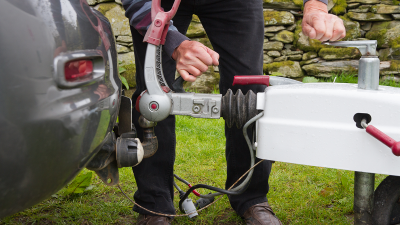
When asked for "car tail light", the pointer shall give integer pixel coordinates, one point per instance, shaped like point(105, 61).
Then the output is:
point(78, 70)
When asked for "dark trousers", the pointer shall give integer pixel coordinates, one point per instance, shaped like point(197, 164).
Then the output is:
point(235, 29)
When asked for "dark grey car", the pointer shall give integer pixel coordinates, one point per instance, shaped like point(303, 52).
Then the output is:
point(59, 95)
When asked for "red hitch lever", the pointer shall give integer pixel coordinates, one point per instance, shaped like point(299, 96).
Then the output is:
point(251, 79)
point(382, 137)
point(160, 22)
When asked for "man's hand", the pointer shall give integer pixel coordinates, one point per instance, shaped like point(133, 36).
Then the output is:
point(193, 58)
point(318, 24)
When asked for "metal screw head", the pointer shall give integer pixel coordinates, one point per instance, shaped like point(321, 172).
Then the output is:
point(215, 110)
point(196, 109)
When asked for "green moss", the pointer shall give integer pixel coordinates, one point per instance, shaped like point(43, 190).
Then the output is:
point(378, 35)
point(273, 67)
point(130, 74)
point(339, 53)
point(374, 9)
point(395, 65)
point(195, 18)
point(340, 7)
point(103, 8)
point(395, 43)
point(298, 2)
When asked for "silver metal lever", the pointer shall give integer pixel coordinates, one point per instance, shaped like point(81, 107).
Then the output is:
point(368, 68)
point(367, 47)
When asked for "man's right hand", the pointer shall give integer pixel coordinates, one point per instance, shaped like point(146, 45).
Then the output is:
point(193, 58)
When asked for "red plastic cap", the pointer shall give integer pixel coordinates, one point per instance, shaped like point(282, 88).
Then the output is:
point(396, 149)
point(251, 79)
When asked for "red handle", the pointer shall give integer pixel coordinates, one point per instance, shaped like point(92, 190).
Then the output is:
point(250, 79)
point(156, 8)
point(160, 22)
point(382, 137)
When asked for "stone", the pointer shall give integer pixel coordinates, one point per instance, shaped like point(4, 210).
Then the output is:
point(274, 54)
point(361, 9)
point(266, 40)
point(331, 4)
point(195, 29)
point(116, 15)
point(309, 55)
point(340, 7)
point(393, 69)
point(290, 52)
point(122, 49)
point(291, 27)
point(288, 46)
point(126, 39)
point(389, 54)
point(339, 53)
point(269, 34)
point(364, 1)
point(366, 26)
point(274, 18)
point(391, 78)
point(385, 9)
point(283, 4)
point(91, 2)
point(284, 37)
point(287, 69)
point(386, 33)
point(295, 57)
point(273, 46)
point(267, 59)
point(368, 17)
point(118, 1)
point(280, 59)
point(102, 1)
point(326, 69)
point(315, 60)
point(273, 29)
point(353, 5)
point(396, 16)
point(126, 58)
point(390, 2)
point(353, 30)
point(206, 83)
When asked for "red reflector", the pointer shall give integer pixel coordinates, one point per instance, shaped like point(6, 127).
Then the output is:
point(78, 70)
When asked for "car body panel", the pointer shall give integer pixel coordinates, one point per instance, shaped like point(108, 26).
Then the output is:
point(49, 131)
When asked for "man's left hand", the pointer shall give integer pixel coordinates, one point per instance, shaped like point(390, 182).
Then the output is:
point(319, 24)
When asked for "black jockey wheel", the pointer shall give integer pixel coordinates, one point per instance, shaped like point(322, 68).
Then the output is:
point(386, 202)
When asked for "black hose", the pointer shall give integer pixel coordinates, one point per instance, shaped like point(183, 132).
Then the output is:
point(223, 191)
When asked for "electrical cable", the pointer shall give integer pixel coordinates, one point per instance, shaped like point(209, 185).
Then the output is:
point(238, 189)
point(171, 215)
point(231, 190)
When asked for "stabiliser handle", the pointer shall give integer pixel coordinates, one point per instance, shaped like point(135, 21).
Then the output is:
point(385, 139)
point(160, 22)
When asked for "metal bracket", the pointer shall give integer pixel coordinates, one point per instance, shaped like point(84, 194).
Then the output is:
point(196, 105)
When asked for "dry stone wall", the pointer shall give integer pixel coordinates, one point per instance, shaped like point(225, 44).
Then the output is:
point(287, 51)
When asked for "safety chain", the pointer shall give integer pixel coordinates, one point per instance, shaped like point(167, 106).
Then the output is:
point(171, 215)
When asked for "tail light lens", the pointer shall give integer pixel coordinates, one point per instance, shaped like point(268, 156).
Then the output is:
point(78, 70)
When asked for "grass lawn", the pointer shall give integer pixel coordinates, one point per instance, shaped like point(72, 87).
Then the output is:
point(298, 194)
